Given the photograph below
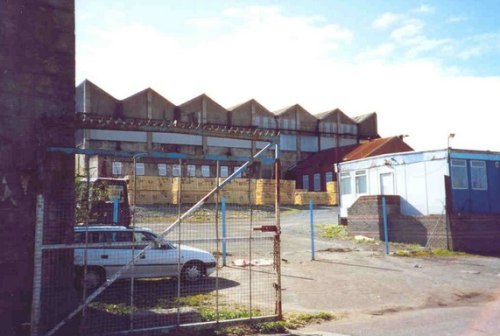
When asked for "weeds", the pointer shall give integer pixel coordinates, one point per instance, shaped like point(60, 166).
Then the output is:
point(334, 231)
point(414, 250)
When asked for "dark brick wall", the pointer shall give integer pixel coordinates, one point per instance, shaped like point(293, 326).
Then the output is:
point(366, 218)
point(474, 234)
point(37, 61)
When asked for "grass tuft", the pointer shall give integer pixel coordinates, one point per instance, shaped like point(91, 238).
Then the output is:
point(334, 231)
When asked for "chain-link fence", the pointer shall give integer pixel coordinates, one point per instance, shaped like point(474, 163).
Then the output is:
point(188, 246)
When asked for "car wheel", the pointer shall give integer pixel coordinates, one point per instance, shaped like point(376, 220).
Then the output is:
point(93, 279)
point(192, 272)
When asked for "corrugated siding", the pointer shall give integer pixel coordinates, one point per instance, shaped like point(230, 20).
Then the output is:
point(309, 143)
point(288, 142)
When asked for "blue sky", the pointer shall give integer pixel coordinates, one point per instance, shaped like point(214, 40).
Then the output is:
point(427, 68)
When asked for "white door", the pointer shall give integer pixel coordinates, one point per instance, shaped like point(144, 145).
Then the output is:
point(387, 184)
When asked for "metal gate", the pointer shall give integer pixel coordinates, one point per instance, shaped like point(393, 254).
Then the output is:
point(186, 247)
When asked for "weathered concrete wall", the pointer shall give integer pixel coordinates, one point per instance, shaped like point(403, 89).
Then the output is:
point(37, 61)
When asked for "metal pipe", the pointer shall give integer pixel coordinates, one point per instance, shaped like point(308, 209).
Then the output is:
point(217, 194)
point(311, 212)
point(224, 233)
point(37, 272)
point(250, 244)
point(132, 278)
point(277, 236)
point(179, 239)
point(386, 232)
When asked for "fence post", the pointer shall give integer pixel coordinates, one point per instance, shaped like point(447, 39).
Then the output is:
point(37, 272)
point(311, 210)
point(386, 232)
point(224, 233)
point(115, 211)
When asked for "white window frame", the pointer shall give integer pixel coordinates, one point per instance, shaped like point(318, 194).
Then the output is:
point(456, 164)
point(117, 168)
point(205, 170)
point(345, 183)
point(360, 175)
point(162, 169)
point(140, 168)
point(176, 170)
point(476, 167)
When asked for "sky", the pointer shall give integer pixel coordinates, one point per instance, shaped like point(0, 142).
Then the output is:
point(428, 68)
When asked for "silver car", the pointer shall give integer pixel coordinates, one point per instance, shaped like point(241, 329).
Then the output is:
point(112, 247)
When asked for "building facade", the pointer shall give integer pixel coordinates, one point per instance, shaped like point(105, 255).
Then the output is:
point(450, 198)
point(200, 127)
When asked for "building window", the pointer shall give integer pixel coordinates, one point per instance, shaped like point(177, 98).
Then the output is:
point(329, 177)
point(162, 169)
point(191, 170)
point(361, 182)
point(205, 171)
point(478, 175)
point(117, 168)
point(459, 178)
point(257, 121)
point(305, 182)
point(235, 169)
point(139, 169)
point(345, 183)
point(224, 171)
point(317, 182)
point(176, 170)
point(292, 124)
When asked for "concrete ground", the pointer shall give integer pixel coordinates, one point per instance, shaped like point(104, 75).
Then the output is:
point(376, 294)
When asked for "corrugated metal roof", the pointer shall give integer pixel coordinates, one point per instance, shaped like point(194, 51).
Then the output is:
point(378, 147)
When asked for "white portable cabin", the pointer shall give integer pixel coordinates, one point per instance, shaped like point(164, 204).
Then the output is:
point(417, 177)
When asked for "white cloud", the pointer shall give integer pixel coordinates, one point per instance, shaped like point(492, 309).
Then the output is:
point(456, 19)
point(386, 20)
point(204, 22)
point(281, 60)
point(410, 28)
point(424, 9)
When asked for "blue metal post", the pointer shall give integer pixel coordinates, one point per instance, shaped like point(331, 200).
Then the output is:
point(115, 210)
point(224, 234)
point(311, 209)
point(386, 231)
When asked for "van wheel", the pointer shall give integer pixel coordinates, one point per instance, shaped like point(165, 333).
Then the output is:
point(192, 272)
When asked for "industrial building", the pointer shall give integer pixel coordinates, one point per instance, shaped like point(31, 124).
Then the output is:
point(203, 129)
point(444, 198)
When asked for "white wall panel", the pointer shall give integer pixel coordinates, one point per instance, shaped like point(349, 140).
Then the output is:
point(112, 135)
point(228, 142)
point(177, 138)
